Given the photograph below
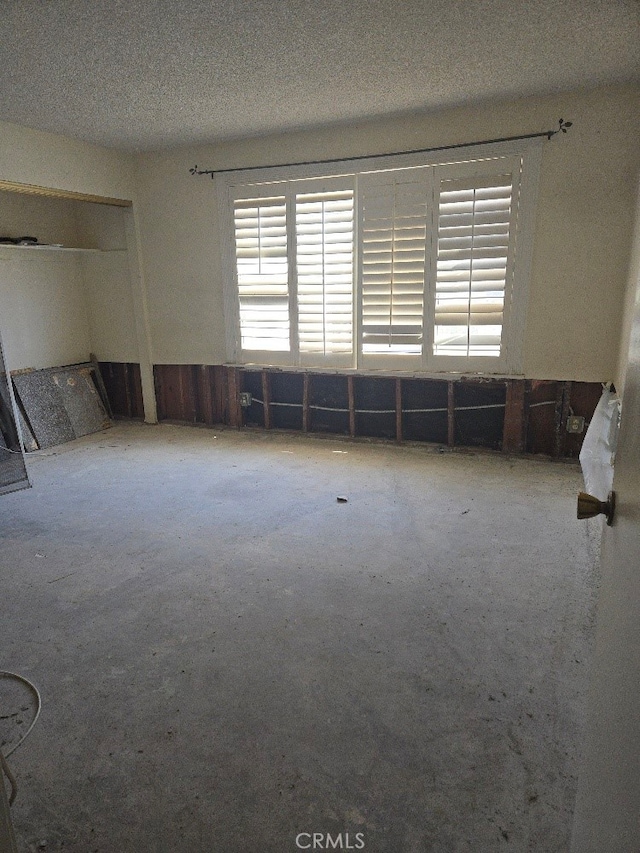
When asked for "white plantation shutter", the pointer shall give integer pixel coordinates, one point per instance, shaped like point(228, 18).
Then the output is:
point(393, 254)
point(475, 224)
point(394, 263)
point(324, 265)
point(260, 227)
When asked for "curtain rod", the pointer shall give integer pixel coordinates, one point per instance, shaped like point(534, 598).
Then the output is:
point(562, 126)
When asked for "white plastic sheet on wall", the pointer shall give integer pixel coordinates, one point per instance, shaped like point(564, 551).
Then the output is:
point(599, 447)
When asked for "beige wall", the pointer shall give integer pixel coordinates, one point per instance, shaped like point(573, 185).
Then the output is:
point(607, 812)
point(110, 307)
point(583, 224)
point(44, 320)
point(57, 307)
point(583, 236)
point(632, 293)
point(180, 249)
point(45, 159)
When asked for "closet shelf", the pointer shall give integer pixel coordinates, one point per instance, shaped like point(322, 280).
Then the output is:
point(43, 247)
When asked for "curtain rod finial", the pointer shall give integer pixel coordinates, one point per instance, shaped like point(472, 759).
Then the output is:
point(562, 126)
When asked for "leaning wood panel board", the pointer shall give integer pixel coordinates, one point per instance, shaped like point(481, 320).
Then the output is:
point(61, 403)
point(27, 436)
point(44, 407)
point(13, 472)
point(81, 400)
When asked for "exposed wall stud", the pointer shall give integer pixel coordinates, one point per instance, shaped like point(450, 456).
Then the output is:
point(305, 403)
point(513, 434)
point(220, 394)
point(451, 423)
point(398, 409)
point(235, 411)
point(266, 396)
point(352, 407)
point(205, 389)
point(210, 394)
point(563, 401)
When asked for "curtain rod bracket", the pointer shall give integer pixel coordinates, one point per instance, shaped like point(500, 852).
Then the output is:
point(562, 128)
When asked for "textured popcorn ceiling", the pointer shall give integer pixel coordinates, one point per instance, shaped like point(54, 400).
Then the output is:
point(139, 74)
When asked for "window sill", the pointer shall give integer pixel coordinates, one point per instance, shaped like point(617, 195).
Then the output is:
point(369, 371)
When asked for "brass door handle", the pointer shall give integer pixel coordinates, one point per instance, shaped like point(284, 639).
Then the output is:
point(588, 506)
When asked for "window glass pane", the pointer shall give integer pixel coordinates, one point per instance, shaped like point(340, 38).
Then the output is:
point(473, 244)
point(324, 260)
point(393, 246)
point(262, 270)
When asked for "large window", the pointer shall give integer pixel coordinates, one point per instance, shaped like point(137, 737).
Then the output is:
point(401, 266)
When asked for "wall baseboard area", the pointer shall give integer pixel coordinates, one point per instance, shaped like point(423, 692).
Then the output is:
point(517, 416)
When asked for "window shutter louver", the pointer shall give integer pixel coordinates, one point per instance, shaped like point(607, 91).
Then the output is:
point(474, 230)
point(394, 231)
point(324, 266)
point(262, 270)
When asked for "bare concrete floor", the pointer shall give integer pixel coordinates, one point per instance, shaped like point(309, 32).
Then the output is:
point(228, 657)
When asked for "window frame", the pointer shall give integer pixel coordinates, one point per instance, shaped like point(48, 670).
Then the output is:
point(524, 158)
